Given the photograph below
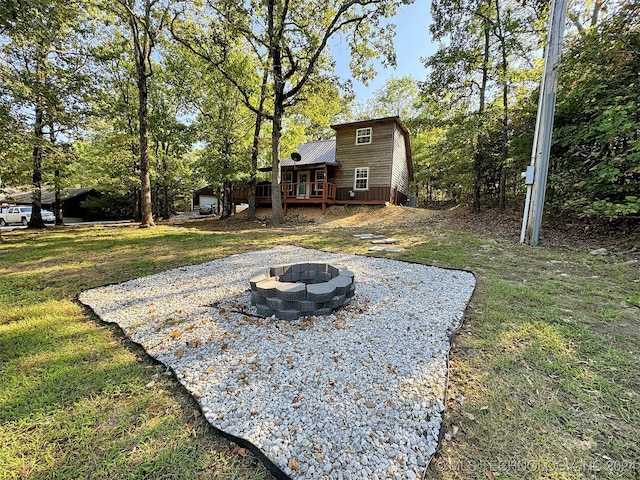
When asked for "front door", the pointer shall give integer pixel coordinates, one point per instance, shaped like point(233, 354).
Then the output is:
point(303, 184)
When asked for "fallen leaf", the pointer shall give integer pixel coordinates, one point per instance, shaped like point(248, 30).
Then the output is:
point(469, 415)
point(180, 353)
point(224, 347)
point(369, 404)
point(239, 451)
point(210, 370)
point(294, 464)
point(175, 334)
point(196, 413)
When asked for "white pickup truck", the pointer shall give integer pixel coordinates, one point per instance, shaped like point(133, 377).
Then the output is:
point(10, 215)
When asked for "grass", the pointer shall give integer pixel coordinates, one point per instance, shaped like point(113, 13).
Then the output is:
point(543, 374)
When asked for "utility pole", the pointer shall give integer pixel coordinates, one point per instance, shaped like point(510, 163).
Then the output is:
point(536, 187)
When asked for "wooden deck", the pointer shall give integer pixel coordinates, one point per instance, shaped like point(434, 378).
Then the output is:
point(320, 193)
point(323, 193)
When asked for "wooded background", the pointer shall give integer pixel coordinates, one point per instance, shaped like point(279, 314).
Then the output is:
point(146, 100)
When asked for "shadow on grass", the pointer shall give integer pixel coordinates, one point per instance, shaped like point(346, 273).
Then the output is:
point(53, 361)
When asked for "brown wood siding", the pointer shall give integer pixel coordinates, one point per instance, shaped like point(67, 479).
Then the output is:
point(377, 155)
point(373, 195)
point(240, 195)
point(400, 169)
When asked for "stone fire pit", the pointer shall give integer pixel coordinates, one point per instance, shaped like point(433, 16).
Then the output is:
point(292, 291)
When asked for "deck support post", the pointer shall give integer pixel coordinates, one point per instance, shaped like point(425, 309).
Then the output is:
point(324, 192)
point(284, 195)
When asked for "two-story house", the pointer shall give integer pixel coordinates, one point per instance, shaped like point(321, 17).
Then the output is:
point(367, 163)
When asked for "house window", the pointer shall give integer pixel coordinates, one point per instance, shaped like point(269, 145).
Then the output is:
point(363, 136)
point(319, 181)
point(288, 180)
point(361, 179)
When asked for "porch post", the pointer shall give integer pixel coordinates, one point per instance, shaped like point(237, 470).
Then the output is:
point(325, 186)
point(284, 196)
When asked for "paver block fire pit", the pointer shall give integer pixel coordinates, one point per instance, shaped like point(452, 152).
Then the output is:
point(292, 291)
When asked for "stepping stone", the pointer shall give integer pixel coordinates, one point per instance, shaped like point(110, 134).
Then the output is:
point(367, 236)
point(385, 241)
point(385, 249)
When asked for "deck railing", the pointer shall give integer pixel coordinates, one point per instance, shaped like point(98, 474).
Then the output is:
point(311, 191)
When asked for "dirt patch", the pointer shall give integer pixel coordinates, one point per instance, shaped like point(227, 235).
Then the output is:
point(337, 217)
point(504, 225)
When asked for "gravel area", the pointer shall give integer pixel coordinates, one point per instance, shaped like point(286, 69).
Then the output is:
point(358, 394)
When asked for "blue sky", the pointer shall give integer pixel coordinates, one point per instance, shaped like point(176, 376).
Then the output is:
point(412, 42)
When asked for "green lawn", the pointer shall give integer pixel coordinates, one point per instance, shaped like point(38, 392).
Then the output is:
point(544, 373)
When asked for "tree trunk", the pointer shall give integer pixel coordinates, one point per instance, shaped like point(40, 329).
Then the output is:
point(226, 200)
point(135, 154)
point(142, 44)
point(36, 196)
point(136, 204)
point(166, 198)
point(255, 150)
point(146, 217)
point(156, 200)
point(502, 204)
point(504, 153)
point(277, 216)
point(478, 157)
point(275, 52)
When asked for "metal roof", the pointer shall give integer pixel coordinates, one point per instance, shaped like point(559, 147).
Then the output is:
point(314, 153)
point(48, 197)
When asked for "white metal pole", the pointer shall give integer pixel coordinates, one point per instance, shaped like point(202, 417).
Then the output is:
point(544, 123)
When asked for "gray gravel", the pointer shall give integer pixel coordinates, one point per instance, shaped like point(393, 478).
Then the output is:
point(353, 395)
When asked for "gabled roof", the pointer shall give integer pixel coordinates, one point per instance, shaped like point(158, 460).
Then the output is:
point(314, 153)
